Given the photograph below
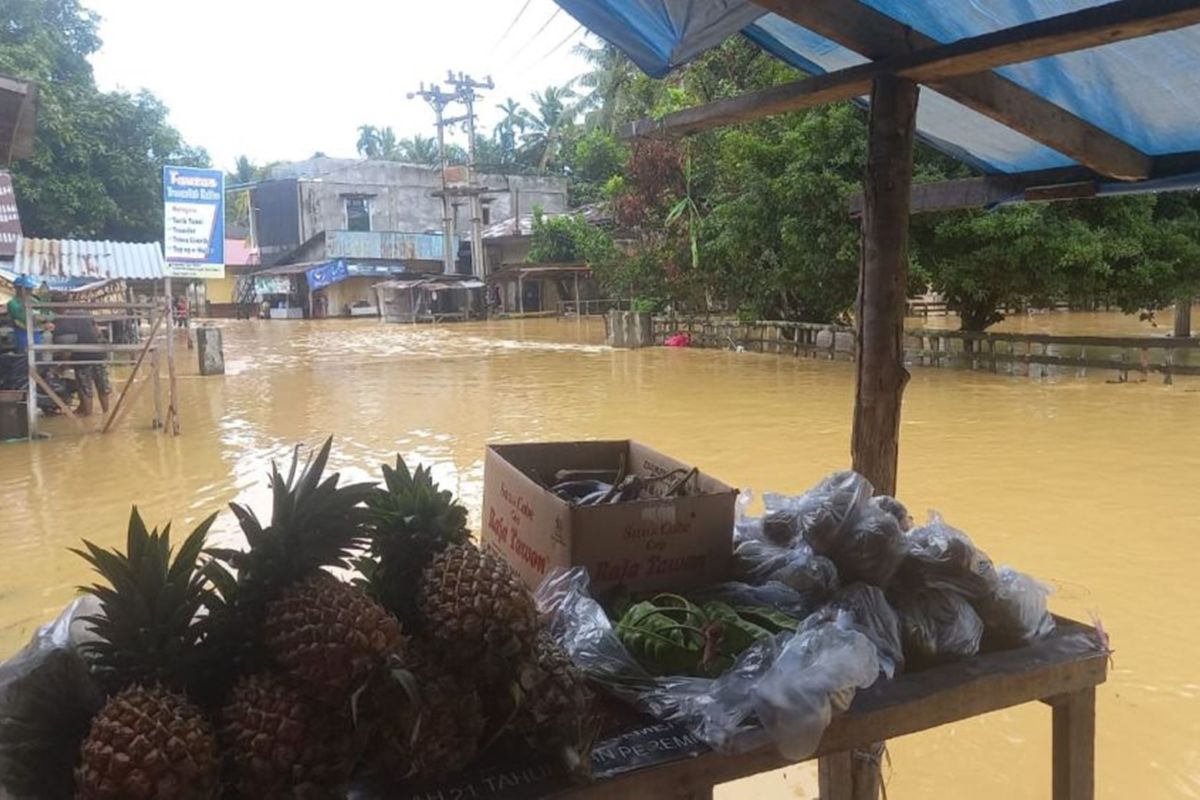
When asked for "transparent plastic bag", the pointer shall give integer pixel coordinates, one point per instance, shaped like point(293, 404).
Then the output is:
point(824, 511)
point(47, 701)
point(782, 689)
point(874, 617)
point(757, 561)
point(937, 626)
point(870, 547)
point(943, 557)
point(1015, 614)
point(894, 507)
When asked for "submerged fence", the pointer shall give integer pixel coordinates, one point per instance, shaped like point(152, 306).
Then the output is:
point(1032, 354)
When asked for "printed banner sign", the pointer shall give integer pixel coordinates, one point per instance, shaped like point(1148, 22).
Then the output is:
point(10, 218)
point(194, 222)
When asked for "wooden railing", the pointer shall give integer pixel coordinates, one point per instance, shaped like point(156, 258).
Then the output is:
point(1031, 354)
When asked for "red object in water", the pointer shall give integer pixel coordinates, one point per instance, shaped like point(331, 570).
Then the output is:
point(678, 340)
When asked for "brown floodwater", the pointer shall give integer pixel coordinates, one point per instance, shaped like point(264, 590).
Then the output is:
point(1090, 486)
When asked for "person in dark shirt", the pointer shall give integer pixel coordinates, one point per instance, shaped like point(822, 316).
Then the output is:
point(90, 379)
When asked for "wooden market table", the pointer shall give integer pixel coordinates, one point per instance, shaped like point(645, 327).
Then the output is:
point(1061, 671)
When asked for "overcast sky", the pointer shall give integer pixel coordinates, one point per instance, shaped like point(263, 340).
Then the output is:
point(279, 80)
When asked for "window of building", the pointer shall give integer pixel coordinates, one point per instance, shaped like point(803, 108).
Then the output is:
point(487, 215)
point(358, 213)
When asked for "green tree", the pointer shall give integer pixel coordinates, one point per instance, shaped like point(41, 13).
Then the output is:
point(507, 128)
point(548, 125)
point(568, 239)
point(379, 143)
point(97, 167)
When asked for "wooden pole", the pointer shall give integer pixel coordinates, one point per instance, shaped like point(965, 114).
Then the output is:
point(156, 366)
point(578, 311)
point(1183, 318)
point(520, 294)
point(58, 401)
point(882, 277)
point(172, 385)
point(31, 384)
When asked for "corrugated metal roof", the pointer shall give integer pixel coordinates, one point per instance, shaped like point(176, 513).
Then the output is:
point(594, 213)
point(74, 258)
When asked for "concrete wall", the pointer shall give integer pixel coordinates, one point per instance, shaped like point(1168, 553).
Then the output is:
point(343, 293)
point(400, 195)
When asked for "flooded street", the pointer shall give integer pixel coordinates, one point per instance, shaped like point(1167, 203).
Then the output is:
point(1090, 486)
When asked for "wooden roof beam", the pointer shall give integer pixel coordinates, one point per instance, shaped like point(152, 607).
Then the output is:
point(943, 66)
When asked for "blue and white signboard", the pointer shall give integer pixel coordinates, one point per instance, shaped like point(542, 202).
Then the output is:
point(194, 222)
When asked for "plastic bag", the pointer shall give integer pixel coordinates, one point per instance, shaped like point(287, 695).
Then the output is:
point(894, 507)
point(797, 567)
point(1015, 614)
point(874, 617)
point(943, 557)
point(869, 548)
point(823, 511)
point(47, 701)
point(782, 689)
point(938, 626)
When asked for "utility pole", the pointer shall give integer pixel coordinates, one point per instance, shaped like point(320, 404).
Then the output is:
point(465, 89)
point(438, 100)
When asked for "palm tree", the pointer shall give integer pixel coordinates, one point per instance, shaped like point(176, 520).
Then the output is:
point(418, 149)
point(506, 129)
point(611, 76)
point(378, 143)
point(544, 128)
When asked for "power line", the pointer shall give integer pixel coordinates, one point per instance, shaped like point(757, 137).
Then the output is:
point(554, 49)
point(533, 38)
point(510, 27)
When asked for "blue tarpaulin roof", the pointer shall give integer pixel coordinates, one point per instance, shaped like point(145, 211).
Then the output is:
point(1145, 91)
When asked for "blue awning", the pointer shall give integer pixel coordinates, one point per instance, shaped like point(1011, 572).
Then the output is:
point(339, 270)
point(1144, 91)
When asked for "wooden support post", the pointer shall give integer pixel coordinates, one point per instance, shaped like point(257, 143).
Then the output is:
point(835, 776)
point(520, 294)
point(1183, 318)
point(578, 310)
point(156, 367)
point(172, 384)
point(1145, 363)
point(1074, 745)
point(882, 278)
point(31, 383)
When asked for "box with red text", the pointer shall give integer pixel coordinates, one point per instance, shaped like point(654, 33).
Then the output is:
point(659, 543)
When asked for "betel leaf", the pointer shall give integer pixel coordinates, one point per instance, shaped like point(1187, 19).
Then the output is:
point(661, 644)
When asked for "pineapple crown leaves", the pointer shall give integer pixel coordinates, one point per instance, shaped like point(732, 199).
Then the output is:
point(411, 519)
point(314, 523)
point(148, 631)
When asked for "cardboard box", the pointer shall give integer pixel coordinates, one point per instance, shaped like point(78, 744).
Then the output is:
point(660, 544)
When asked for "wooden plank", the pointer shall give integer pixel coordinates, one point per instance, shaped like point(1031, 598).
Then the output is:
point(1074, 746)
point(879, 388)
point(859, 27)
point(1077, 30)
point(58, 401)
point(1066, 662)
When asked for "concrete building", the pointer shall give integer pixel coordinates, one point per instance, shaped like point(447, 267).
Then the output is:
point(306, 199)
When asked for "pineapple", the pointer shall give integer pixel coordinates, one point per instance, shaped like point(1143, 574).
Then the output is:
point(148, 741)
point(326, 638)
point(326, 635)
point(554, 714)
point(429, 729)
point(468, 603)
point(281, 744)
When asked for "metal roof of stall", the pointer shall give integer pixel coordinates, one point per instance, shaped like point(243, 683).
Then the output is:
point(75, 258)
point(1030, 94)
